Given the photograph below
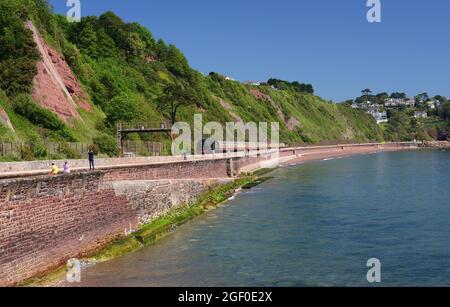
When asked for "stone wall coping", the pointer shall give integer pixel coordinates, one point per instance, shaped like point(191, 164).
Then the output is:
point(85, 170)
point(121, 163)
point(39, 168)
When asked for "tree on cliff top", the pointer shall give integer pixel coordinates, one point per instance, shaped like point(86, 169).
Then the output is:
point(176, 95)
point(366, 92)
point(444, 111)
point(120, 108)
point(294, 86)
point(398, 95)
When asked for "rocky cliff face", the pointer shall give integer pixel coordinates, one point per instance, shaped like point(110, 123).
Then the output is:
point(4, 119)
point(55, 87)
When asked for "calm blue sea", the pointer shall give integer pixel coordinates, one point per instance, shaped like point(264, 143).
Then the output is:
point(312, 225)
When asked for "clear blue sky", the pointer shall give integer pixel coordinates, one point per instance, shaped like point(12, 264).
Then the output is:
point(328, 43)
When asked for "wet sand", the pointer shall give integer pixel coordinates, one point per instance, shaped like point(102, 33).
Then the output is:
point(337, 153)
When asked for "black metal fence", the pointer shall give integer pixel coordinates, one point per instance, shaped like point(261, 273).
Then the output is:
point(22, 150)
point(143, 148)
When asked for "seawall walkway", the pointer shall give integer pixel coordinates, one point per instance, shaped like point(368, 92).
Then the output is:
point(42, 167)
point(46, 220)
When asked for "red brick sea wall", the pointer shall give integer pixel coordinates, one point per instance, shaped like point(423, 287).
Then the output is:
point(44, 220)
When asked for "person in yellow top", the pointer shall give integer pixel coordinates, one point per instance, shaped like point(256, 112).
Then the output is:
point(54, 169)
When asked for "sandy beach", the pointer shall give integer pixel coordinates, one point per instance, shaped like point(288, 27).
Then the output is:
point(338, 153)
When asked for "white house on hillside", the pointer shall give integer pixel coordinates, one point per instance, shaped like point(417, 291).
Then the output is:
point(254, 83)
point(380, 117)
point(433, 104)
point(395, 102)
point(411, 103)
point(420, 114)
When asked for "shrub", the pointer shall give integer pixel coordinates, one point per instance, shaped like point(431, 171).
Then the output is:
point(107, 145)
point(18, 53)
point(69, 152)
point(16, 75)
point(33, 149)
point(120, 108)
point(24, 105)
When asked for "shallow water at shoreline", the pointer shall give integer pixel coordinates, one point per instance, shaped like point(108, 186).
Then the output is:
point(312, 225)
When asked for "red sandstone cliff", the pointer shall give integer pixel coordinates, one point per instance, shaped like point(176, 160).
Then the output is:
point(55, 87)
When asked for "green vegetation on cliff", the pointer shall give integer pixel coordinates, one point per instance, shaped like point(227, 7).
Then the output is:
point(18, 53)
point(130, 76)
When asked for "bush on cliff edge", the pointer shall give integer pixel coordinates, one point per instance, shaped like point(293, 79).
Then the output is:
point(107, 145)
point(24, 105)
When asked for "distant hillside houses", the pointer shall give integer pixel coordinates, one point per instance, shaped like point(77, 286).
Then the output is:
point(380, 117)
point(254, 83)
point(433, 104)
point(420, 114)
point(366, 106)
point(395, 102)
point(373, 109)
point(378, 110)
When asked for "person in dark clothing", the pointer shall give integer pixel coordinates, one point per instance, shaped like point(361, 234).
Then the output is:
point(91, 159)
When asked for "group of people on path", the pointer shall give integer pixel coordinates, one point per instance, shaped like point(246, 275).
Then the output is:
point(66, 166)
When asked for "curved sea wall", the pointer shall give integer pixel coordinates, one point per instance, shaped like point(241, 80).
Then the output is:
point(46, 220)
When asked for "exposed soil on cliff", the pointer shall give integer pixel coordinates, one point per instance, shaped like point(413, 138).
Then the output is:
point(227, 106)
point(4, 119)
point(291, 123)
point(55, 87)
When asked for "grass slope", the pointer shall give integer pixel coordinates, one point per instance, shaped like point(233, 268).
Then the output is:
point(126, 72)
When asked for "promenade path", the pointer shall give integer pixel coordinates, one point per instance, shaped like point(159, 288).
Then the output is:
point(42, 167)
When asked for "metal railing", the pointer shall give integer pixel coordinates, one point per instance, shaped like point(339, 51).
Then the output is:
point(142, 126)
point(136, 148)
point(19, 149)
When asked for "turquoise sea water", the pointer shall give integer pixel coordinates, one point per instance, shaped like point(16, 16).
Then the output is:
point(312, 225)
